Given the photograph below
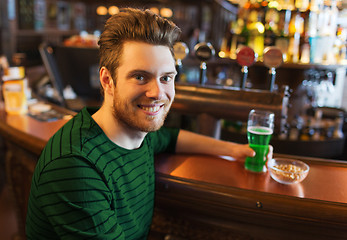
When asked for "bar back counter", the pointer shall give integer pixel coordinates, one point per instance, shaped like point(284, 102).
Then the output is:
point(205, 197)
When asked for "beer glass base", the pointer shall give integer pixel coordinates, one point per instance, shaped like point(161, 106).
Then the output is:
point(257, 169)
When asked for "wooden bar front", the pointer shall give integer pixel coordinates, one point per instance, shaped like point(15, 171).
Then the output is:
point(227, 201)
point(206, 197)
point(24, 138)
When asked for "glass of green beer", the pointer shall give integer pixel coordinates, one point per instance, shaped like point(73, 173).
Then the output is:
point(260, 127)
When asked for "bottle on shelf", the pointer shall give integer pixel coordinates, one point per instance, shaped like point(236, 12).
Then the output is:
point(322, 31)
point(271, 20)
point(236, 35)
point(340, 44)
point(302, 5)
point(240, 35)
point(305, 31)
point(225, 48)
point(241, 30)
point(256, 29)
point(295, 30)
point(282, 40)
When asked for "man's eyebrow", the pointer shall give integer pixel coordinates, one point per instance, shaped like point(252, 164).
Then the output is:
point(144, 72)
point(169, 73)
point(137, 72)
point(173, 72)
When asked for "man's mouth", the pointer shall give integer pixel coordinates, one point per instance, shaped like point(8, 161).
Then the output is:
point(151, 108)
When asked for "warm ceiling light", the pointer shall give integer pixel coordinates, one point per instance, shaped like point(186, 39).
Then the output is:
point(113, 10)
point(101, 10)
point(166, 12)
point(155, 10)
point(222, 54)
point(273, 4)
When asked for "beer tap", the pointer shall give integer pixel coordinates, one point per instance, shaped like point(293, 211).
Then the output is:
point(203, 51)
point(272, 59)
point(245, 57)
point(181, 50)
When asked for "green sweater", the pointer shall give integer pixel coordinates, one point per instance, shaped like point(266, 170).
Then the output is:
point(86, 187)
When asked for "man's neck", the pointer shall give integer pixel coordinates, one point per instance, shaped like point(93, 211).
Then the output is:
point(116, 131)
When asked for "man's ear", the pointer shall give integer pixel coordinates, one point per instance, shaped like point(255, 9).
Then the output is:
point(106, 80)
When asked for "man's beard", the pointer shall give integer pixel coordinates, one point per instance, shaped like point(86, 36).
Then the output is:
point(125, 114)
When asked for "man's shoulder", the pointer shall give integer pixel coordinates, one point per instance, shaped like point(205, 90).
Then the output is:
point(164, 132)
point(71, 138)
point(164, 139)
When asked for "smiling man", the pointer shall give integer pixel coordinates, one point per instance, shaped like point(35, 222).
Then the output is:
point(138, 101)
point(95, 177)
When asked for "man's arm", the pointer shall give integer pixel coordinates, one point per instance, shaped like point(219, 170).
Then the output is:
point(75, 200)
point(189, 142)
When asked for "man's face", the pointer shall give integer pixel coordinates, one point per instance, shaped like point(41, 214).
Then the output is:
point(144, 86)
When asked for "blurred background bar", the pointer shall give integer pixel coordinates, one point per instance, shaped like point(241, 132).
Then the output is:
point(48, 49)
point(309, 86)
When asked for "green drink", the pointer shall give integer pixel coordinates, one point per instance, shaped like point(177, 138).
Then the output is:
point(258, 138)
point(259, 132)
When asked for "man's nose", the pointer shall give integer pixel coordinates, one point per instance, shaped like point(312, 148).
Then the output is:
point(155, 90)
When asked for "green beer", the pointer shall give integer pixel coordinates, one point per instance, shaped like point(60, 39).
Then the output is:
point(259, 139)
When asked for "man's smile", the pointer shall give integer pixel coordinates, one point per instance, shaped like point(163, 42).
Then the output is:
point(151, 109)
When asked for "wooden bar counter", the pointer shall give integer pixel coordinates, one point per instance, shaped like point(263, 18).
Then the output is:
point(206, 197)
point(230, 202)
point(24, 138)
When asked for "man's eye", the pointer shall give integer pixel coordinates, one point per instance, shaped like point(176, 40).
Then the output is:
point(139, 77)
point(166, 78)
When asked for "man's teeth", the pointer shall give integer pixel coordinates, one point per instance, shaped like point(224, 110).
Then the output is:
point(151, 109)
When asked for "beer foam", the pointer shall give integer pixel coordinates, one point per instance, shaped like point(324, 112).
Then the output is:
point(260, 130)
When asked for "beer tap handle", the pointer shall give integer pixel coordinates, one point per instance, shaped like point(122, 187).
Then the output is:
point(272, 58)
point(272, 72)
point(204, 52)
point(244, 77)
point(178, 69)
point(245, 57)
point(203, 77)
point(181, 51)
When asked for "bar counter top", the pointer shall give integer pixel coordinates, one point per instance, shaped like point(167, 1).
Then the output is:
point(29, 131)
point(324, 181)
point(211, 195)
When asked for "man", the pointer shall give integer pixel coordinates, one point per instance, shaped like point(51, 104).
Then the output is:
point(95, 177)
